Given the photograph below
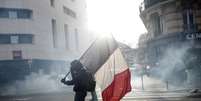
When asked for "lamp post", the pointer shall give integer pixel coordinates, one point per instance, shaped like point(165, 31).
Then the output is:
point(167, 86)
point(142, 82)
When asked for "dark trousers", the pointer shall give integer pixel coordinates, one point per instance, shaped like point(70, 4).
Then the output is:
point(80, 96)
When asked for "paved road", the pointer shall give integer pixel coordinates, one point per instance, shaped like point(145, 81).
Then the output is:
point(179, 95)
point(154, 91)
point(133, 96)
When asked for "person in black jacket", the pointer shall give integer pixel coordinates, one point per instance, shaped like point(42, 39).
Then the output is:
point(78, 79)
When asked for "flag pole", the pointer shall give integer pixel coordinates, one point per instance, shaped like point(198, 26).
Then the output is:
point(88, 48)
point(142, 80)
point(67, 74)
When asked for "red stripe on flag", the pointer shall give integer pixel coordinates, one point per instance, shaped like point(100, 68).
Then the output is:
point(119, 87)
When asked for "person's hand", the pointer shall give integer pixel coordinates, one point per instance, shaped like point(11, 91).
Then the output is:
point(63, 80)
point(68, 82)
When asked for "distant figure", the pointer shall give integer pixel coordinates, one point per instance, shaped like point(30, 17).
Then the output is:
point(81, 79)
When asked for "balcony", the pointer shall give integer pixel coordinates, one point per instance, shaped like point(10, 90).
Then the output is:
point(148, 3)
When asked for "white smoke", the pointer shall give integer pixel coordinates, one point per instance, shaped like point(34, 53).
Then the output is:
point(39, 82)
point(171, 64)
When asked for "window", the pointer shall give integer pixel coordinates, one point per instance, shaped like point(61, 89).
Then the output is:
point(188, 20)
point(12, 14)
point(69, 12)
point(52, 3)
point(4, 39)
point(54, 33)
point(16, 39)
point(76, 39)
point(156, 24)
point(3, 13)
point(66, 36)
point(15, 13)
point(17, 54)
point(26, 39)
point(24, 14)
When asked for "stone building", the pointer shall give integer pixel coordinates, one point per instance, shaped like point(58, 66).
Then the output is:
point(130, 54)
point(173, 41)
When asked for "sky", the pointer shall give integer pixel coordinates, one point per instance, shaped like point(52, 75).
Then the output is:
point(119, 17)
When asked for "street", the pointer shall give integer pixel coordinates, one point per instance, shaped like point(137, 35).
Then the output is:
point(137, 96)
point(154, 90)
point(133, 50)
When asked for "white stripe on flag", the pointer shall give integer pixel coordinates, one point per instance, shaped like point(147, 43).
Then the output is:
point(114, 65)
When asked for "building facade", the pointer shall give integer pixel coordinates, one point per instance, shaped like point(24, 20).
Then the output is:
point(174, 30)
point(128, 53)
point(40, 34)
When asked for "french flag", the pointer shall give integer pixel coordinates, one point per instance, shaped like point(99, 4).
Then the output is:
point(105, 60)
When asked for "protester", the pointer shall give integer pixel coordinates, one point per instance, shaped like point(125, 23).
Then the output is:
point(77, 72)
point(82, 80)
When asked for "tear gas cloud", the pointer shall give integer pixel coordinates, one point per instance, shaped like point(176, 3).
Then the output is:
point(38, 82)
point(171, 66)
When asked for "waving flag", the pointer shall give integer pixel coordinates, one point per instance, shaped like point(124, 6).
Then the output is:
point(105, 60)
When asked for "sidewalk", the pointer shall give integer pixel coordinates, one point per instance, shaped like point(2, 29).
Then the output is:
point(156, 89)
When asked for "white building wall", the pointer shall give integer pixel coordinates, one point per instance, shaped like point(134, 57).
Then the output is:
point(40, 26)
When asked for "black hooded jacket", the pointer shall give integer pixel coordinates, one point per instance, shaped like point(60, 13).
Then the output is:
point(78, 77)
